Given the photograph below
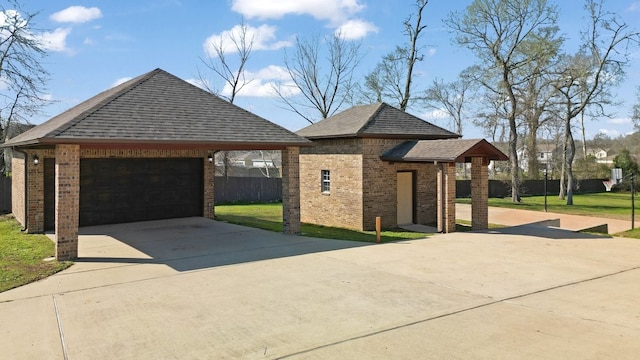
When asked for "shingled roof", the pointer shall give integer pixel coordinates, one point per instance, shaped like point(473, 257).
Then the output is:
point(161, 109)
point(452, 150)
point(376, 120)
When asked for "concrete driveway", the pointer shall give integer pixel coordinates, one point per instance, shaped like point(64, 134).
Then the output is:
point(199, 289)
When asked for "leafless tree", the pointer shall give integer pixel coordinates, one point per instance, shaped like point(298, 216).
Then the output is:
point(450, 98)
point(392, 78)
point(321, 69)
point(21, 68)
point(587, 77)
point(507, 36)
point(231, 70)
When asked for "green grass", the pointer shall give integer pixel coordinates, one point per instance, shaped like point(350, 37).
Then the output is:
point(635, 233)
point(607, 205)
point(269, 217)
point(21, 256)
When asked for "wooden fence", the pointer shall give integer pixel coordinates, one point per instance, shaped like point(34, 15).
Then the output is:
point(247, 189)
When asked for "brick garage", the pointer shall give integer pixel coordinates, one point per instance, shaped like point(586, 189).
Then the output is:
point(378, 161)
point(142, 150)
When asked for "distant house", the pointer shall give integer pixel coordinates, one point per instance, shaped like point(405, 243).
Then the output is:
point(545, 155)
point(602, 156)
point(378, 161)
point(252, 163)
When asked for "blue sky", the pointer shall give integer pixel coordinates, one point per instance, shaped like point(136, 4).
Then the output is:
point(95, 44)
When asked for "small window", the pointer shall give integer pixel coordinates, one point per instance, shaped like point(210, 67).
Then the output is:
point(325, 186)
point(541, 155)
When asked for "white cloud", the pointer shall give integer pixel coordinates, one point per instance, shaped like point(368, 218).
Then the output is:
point(609, 132)
point(431, 52)
point(355, 29)
point(263, 38)
point(262, 83)
point(436, 114)
point(336, 11)
point(121, 81)
point(55, 40)
point(76, 14)
point(635, 6)
point(620, 121)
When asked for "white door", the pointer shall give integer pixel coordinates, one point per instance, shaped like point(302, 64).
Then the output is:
point(405, 198)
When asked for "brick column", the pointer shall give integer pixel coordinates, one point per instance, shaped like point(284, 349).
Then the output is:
point(209, 187)
point(479, 194)
point(291, 190)
point(67, 189)
point(35, 192)
point(447, 197)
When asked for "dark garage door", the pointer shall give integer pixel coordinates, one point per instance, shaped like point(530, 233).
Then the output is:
point(125, 190)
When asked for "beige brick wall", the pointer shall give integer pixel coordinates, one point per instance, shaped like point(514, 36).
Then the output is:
point(362, 186)
point(17, 187)
point(380, 186)
point(291, 190)
point(67, 189)
point(479, 194)
point(342, 206)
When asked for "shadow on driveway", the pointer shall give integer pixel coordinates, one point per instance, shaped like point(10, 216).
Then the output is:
point(546, 232)
point(194, 243)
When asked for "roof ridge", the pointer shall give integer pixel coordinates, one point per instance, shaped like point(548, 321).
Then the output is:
point(371, 118)
point(127, 86)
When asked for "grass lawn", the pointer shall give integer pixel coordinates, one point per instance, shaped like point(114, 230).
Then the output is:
point(269, 217)
point(21, 256)
point(607, 205)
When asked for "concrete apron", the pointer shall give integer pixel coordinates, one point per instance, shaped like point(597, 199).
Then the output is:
point(196, 288)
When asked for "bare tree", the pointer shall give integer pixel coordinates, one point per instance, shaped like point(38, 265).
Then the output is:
point(586, 78)
point(635, 112)
point(392, 79)
point(231, 71)
point(325, 83)
point(21, 69)
point(450, 98)
point(507, 36)
point(241, 44)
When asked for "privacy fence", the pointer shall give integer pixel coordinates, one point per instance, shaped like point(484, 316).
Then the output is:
point(261, 189)
point(499, 188)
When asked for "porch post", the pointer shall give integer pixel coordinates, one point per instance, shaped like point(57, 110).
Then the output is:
point(209, 188)
point(447, 197)
point(67, 193)
point(291, 190)
point(479, 194)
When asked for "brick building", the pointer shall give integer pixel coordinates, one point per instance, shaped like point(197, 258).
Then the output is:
point(378, 161)
point(142, 150)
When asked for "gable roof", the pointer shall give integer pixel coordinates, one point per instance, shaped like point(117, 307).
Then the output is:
point(158, 108)
point(376, 120)
point(450, 150)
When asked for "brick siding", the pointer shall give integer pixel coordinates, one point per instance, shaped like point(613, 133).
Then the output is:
point(479, 194)
point(362, 186)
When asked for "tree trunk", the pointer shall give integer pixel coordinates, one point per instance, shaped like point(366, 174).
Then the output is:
point(515, 169)
point(532, 154)
point(584, 137)
point(569, 165)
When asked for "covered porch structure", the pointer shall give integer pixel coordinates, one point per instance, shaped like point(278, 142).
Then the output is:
point(445, 154)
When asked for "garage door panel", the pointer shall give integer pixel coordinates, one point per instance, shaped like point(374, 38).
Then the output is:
point(125, 190)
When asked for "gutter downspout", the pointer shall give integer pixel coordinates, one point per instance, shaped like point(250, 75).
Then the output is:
point(26, 188)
